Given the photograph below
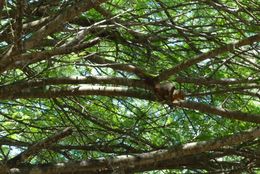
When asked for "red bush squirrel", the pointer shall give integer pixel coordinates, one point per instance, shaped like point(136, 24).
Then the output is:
point(167, 92)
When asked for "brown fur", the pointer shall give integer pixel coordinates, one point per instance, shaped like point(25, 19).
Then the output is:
point(168, 92)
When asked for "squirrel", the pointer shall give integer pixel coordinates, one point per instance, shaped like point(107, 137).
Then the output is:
point(168, 92)
point(165, 91)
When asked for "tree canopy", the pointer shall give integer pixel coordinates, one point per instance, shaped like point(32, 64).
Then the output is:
point(78, 95)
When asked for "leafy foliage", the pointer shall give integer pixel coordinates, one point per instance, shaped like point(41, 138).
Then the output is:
point(84, 65)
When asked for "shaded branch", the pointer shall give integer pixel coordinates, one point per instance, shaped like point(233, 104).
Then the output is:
point(28, 58)
point(19, 25)
point(67, 15)
point(118, 66)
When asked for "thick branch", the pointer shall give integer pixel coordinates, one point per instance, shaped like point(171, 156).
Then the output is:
point(78, 91)
point(126, 92)
point(78, 80)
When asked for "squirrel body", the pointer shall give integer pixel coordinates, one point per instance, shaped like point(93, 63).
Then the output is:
point(164, 91)
point(168, 92)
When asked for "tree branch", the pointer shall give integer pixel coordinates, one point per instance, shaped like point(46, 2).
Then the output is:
point(28, 58)
point(49, 92)
point(41, 87)
point(209, 55)
point(204, 108)
point(118, 66)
